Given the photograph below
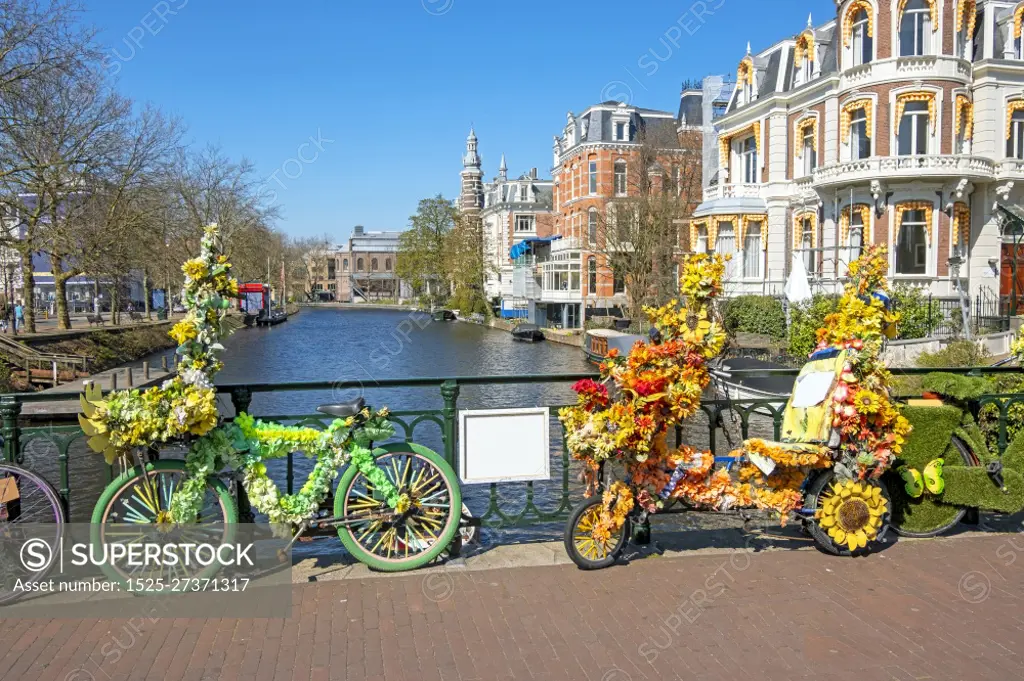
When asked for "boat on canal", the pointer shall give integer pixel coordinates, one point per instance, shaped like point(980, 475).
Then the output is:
point(751, 387)
point(444, 316)
point(527, 333)
point(597, 343)
point(272, 318)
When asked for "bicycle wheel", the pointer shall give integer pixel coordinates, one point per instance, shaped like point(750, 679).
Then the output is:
point(136, 501)
point(28, 499)
point(927, 516)
point(587, 552)
point(389, 539)
point(853, 514)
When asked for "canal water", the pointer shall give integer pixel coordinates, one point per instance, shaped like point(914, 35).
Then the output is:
point(333, 345)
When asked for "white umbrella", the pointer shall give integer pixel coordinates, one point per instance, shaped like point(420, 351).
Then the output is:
point(798, 288)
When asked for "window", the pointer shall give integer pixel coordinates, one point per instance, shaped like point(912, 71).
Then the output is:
point(387, 264)
point(748, 157)
point(856, 238)
point(332, 268)
point(915, 28)
point(860, 140)
point(620, 131)
point(862, 43)
point(804, 71)
point(618, 283)
point(1015, 142)
point(808, 153)
point(360, 266)
point(593, 177)
point(912, 246)
point(752, 251)
point(807, 243)
point(702, 240)
point(747, 93)
point(373, 264)
point(344, 265)
point(524, 223)
point(913, 132)
point(524, 192)
point(592, 275)
point(674, 180)
point(620, 178)
point(592, 226)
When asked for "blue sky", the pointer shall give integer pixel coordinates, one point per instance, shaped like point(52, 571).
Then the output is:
point(391, 87)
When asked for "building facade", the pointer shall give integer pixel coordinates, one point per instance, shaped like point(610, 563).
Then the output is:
point(515, 210)
point(594, 166)
point(897, 122)
point(362, 270)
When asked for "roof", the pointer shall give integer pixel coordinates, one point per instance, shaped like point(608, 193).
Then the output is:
point(691, 108)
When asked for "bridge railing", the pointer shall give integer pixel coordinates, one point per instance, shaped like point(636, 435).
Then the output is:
point(57, 449)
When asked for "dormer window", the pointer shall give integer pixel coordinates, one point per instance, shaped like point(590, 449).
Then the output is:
point(745, 80)
point(861, 42)
point(803, 57)
point(620, 132)
point(916, 28)
point(524, 191)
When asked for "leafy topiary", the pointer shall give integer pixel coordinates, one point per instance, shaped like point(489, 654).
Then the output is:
point(915, 318)
point(755, 314)
point(956, 386)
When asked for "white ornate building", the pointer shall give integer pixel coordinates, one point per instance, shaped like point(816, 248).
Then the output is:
point(898, 122)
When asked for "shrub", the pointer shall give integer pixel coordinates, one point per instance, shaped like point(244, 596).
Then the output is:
point(961, 353)
point(755, 314)
point(913, 310)
point(805, 320)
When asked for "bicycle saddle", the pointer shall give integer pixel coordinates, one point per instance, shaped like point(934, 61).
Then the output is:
point(343, 409)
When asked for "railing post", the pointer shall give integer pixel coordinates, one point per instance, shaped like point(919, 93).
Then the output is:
point(10, 409)
point(241, 398)
point(450, 394)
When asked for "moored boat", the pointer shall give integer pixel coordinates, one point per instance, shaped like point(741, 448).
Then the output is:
point(751, 387)
point(527, 333)
point(598, 342)
point(444, 316)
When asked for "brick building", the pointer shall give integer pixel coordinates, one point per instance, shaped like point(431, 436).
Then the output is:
point(897, 122)
point(362, 270)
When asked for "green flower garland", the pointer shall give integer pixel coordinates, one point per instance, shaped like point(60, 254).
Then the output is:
point(247, 444)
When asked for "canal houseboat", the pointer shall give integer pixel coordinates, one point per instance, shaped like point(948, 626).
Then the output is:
point(598, 342)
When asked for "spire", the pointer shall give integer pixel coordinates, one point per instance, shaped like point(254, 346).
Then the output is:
point(503, 169)
point(810, 22)
point(748, 48)
point(471, 159)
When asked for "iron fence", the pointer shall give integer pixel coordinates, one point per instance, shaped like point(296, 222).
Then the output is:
point(58, 449)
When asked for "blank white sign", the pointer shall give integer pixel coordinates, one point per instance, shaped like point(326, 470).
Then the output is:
point(504, 445)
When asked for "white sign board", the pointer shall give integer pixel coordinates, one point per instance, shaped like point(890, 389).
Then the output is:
point(504, 445)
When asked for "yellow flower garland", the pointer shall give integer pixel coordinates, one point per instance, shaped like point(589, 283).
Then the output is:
point(961, 216)
point(963, 106)
point(932, 7)
point(798, 228)
point(1012, 108)
point(763, 226)
point(804, 47)
point(798, 138)
point(968, 8)
point(865, 219)
point(1018, 19)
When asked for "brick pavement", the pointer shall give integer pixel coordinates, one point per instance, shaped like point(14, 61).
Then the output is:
point(939, 609)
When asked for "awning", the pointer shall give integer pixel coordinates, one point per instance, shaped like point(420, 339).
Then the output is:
point(526, 245)
point(731, 206)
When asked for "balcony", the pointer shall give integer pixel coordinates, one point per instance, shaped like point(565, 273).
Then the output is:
point(1011, 168)
point(927, 67)
point(905, 167)
point(733, 191)
point(561, 296)
point(571, 243)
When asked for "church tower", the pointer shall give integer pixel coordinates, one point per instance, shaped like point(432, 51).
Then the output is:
point(472, 199)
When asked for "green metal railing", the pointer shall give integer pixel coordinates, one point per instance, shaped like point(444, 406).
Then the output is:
point(507, 504)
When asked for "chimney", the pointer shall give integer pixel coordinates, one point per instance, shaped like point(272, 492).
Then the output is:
point(357, 230)
point(533, 173)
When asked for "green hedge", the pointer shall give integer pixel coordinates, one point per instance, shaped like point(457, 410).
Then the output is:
point(755, 314)
point(805, 320)
point(912, 307)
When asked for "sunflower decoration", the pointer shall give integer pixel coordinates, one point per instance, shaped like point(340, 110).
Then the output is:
point(852, 513)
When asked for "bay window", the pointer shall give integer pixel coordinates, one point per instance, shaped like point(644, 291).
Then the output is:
point(726, 246)
point(860, 138)
point(748, 160)
point(1015, 140)
point(862, 43)
point(912, 243)
point(915, 28)
point(702, 240)
point(913, 131)
point(752, 251)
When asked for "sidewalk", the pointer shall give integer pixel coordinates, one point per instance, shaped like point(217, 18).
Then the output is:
point(935, 609)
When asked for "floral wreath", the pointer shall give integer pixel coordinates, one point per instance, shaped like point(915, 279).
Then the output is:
point(185, 407)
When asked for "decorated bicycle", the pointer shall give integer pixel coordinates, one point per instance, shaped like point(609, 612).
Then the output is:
point(841, 432)
point(396, 507)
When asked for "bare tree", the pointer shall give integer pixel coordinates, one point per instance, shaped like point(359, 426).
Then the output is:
point(312, 254)
point(638, 240)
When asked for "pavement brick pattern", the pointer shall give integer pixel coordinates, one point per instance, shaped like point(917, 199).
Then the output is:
point(939, 609)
